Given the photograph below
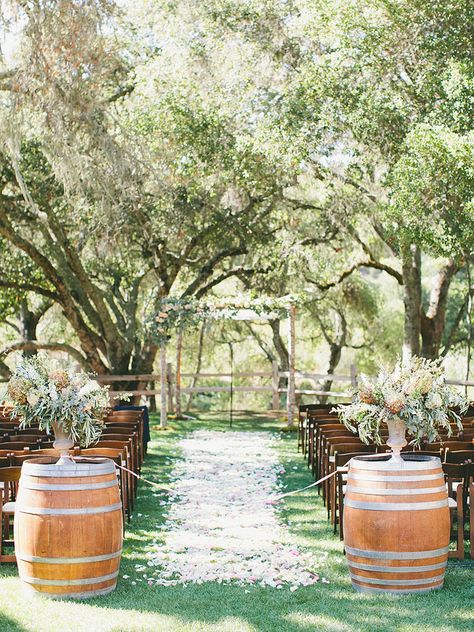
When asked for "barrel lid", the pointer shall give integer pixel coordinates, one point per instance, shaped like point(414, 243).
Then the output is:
point(409, 461)
point(85, 467)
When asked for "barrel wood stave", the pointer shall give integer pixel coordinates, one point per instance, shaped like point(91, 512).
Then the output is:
point(396, 525)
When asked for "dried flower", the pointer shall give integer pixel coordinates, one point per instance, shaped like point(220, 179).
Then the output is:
point(17, 390)
point(366, 395)
point(433, 401)
point(424, 382)
point(394, 402)
point(60, 379)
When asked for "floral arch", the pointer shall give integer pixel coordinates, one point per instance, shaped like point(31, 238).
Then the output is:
point(175, 315)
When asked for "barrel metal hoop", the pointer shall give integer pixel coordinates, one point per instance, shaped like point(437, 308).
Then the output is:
point(422, 506)
point(427, 463)
point(85, 594)
point(68, 488)
point(390, 479)
point(68, 560)
point(396, 591)
point(68, 582)
point(78, 470)
point(397, 555)
point(397, 582)
point(410, 491)
point(397, 569)
point(66, 511)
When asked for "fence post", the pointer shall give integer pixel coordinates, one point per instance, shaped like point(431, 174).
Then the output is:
point(275, 385)
point(179, 348)
point(290, 403)
point(163, 410)
point(169, 383)
point(354, 380)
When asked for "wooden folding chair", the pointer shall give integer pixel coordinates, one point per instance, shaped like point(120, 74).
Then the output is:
point(18, 445)
point(9, 477)
point(459, 456)
point(116, 455)
point(342, 456)
point(470, 504)
point(455, 477)
point(21, 438)
point(127, 448)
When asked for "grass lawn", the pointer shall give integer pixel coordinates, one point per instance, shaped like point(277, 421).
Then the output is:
point(331, 607)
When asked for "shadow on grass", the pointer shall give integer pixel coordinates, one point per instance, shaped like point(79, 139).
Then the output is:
point(10, 625)
point(315, 608)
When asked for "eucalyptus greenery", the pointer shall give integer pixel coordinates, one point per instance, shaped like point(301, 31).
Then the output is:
point(42, 392)
point(415, 392)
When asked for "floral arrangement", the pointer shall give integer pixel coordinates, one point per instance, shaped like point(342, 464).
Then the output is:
point(42, 392)
point(415, 392)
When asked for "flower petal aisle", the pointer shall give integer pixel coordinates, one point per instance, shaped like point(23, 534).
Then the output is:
point(220, 527)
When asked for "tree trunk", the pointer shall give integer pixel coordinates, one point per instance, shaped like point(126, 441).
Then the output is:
point(4, 370)
point(335, 352)
point(434, 320)
point(140, 361)
point(28, 324)
point(411, 265)
point(282, 351)
point(291, 366)
point(336, 346)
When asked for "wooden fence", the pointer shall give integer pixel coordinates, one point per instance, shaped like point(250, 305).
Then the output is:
point(273, 387)
point(173, 390)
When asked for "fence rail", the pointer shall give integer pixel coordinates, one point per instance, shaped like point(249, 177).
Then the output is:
point(274, 388)
point(153, 380)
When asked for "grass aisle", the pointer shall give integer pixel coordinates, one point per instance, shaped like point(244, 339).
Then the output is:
point(212, 607)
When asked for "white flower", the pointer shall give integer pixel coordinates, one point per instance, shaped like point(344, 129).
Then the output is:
point(90, 387)
point(33, 398)
point(434, 400)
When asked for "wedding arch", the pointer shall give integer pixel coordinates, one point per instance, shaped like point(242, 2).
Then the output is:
point(175, 315)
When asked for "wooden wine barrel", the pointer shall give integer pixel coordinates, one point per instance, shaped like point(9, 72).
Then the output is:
point(68, 528)
point(396, 524)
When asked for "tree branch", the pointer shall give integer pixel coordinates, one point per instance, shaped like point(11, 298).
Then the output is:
point(261, 342)
point(208, 269)
point(326, 286)
point(372, 263)
point(222, 277)
point(31, 345)
point(455, 325)
point(123, 91)
point(30, 287)
point(12, 325)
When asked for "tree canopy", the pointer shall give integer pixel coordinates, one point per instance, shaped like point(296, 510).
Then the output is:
point(168, 150)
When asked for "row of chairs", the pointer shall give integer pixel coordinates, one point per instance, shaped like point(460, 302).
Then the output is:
point(328, 446)
point(122, 440)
